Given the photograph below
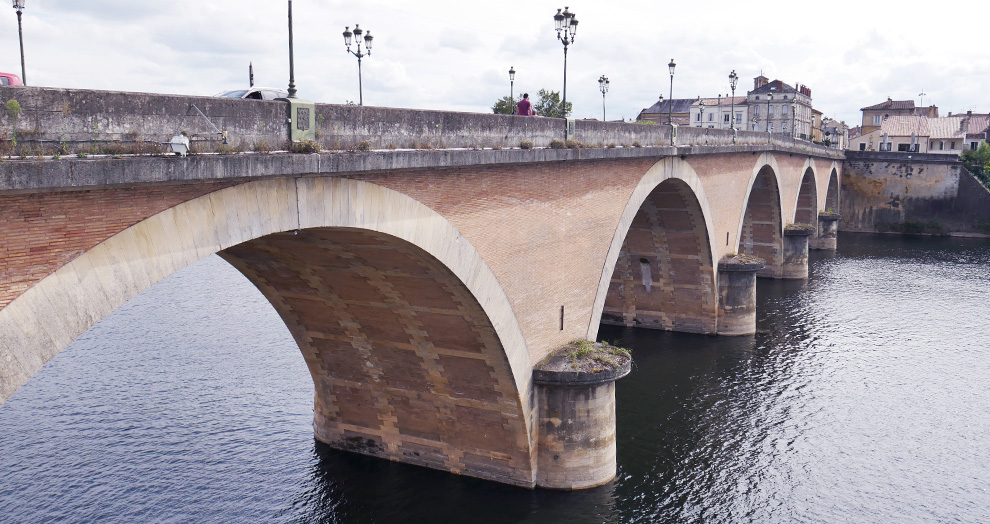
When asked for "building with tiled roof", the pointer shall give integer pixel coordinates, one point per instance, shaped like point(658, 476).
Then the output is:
point(665, 110)
point(920, 134)
point(724, 112)
point(873, 116)
point(776, 107)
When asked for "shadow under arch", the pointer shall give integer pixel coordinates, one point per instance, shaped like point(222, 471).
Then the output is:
point(659, 271)
point(806, 206)
point(832, 200)
point(487, 382)
point(761, 228)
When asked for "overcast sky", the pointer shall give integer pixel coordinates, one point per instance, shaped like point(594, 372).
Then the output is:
point(455, 54)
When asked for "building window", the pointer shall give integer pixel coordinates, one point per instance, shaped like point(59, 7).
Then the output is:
point(931, 145)
point(756, 110)
point(974, 145)
point(952, 145)
point(711, 116)
point(769, 127)
point(941, 145)
point(903, 148)
point(862, 146)
point(876, 120)
point(770, 110)
point(697, 117)
point(738, 118)
point(725, 119)
point(783, 109)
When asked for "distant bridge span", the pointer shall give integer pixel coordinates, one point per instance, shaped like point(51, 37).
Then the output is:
point(422, 286)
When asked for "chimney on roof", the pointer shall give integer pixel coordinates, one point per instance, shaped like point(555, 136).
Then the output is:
point(760, 81)
point(969, 113)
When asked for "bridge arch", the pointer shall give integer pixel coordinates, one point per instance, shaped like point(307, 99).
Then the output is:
point(659, 270)
point(831, 196)
point(463, 347)
point(806, 206)
point(761, 225)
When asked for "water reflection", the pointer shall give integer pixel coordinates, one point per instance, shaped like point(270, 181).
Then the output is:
point(860, 399)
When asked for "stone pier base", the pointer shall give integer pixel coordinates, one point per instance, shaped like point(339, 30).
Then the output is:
point(737, 294)
point(828, 229)
point(576, 427)
point(795, 265)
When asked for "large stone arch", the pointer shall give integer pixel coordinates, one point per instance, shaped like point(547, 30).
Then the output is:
point(482, 428)
point(761, 225)
point(668, 222)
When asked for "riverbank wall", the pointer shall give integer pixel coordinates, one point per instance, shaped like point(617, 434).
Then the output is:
point(911, 193)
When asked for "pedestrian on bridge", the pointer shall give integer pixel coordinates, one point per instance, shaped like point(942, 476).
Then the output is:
point(524, 107)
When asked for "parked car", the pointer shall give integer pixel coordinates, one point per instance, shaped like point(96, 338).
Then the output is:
point(255, 93)
point(10, 79)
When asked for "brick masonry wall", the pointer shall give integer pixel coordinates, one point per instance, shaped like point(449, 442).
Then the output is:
point(664, 277)
point(43, 231)
point(406, 364)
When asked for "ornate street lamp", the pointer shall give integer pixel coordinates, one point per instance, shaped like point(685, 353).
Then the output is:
point(357, 42)
point(603, 87)
point(512, 82)
point(701, 115)
point(794, 117)
point(566, 26)
point(733, 80)
point(19, 6)
point(670, 101)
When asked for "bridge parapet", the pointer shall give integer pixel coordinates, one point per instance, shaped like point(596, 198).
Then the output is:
point(68, 121)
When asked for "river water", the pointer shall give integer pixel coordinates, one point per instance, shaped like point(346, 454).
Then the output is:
point(863, 398)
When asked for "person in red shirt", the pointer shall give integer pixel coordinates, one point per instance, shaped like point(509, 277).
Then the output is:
point(524, 107)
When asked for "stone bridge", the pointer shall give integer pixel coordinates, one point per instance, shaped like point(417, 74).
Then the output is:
point(424, 261)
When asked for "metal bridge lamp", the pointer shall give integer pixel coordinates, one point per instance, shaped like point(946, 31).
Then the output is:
point(769, 99)
point(19, 6)
point(566, 26)
point(701, 114)
point(670, 101)
point(603, 87)
point(512, 83)
point(356, 34)
point(733, 80)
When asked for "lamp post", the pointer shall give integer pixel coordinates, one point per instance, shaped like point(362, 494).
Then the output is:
point(733, 80)
point(512, 82)
point(292, 70)
point(19, 6)
point(603, 87)
point(660, 108)
point(794, 117)
point(718, 116)
point(357, 42)
point(670, 101)
point(701, 114)
point(566, 26)
point(769, 99)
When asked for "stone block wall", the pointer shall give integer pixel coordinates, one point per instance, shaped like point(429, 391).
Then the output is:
point(918, 193)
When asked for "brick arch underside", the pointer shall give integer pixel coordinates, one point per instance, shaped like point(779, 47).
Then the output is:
point(663, 278)
point(761, 229)
point(405, 363)
point(832, 193)
point(806, 211)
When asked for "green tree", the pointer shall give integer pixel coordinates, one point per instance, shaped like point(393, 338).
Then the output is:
point(549, 105)
point(504, 106)
point(977, 162)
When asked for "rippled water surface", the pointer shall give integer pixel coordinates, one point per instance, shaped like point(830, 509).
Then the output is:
point(863, 398)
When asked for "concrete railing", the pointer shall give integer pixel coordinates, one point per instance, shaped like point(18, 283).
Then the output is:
point(74, 120)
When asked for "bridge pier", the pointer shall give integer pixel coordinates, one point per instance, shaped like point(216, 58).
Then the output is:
point(576, 441)
point(737, 294)
point(828, 229)
point(795, 266)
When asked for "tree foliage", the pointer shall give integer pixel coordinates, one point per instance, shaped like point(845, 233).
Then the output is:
point(977, 162)
point(549, 105)
point(504, 106)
